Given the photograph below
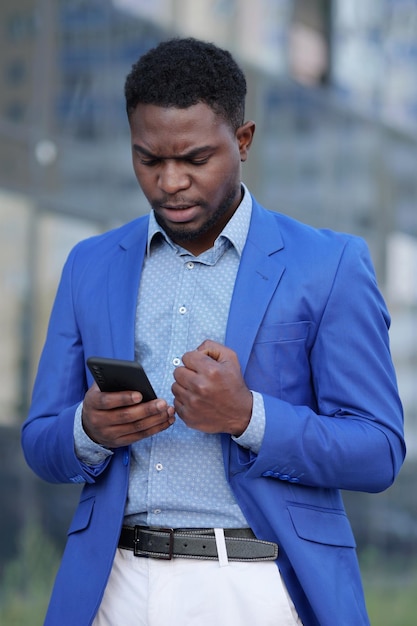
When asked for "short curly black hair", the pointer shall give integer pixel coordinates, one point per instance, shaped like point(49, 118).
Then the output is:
point(183, 72)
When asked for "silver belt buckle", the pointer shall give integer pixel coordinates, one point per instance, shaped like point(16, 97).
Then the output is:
point(138, 551)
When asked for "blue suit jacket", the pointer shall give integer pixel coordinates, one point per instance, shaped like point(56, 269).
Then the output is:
point(311, 331)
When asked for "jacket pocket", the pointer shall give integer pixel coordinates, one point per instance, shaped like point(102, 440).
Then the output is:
point(325, 526)
point(82, 515)
point(279, 362)
point(290, 331)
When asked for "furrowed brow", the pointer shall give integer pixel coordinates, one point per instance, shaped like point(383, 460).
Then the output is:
point(191, 154)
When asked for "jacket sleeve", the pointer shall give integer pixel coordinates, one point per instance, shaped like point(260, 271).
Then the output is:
point(350, 435)
point(60, 385)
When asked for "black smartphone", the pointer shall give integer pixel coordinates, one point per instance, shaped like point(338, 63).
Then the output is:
point(119, 375)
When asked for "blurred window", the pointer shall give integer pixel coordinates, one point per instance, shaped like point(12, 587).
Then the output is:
point(15, 111)
point(20, 26)
point(309, 41)
point(15, 72)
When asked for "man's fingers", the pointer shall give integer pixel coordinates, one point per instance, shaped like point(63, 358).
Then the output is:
point(125, 426)
point(214, 350)
point(106, 400)
point(201, 359)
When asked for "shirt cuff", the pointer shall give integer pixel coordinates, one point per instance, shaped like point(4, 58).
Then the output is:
point(87, 450)
point(253, 436)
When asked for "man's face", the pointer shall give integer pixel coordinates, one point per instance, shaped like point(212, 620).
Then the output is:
point(188, 164)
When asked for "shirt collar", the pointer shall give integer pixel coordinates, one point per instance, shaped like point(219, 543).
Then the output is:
point(235, 231)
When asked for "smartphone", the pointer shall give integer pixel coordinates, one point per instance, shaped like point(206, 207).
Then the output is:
point(119, 375)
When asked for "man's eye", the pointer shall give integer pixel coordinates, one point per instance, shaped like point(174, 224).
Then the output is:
point(198, 161)
point(149, 162)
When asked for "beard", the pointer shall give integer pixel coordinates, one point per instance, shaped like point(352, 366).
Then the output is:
point(182, 234)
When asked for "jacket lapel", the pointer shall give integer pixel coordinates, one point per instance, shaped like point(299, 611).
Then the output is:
point(123, 284)
point(259, 274)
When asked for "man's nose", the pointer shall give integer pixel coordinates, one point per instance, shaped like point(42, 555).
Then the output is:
point(173, 177)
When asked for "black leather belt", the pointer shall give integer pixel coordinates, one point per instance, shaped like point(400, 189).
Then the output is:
point(195, 543)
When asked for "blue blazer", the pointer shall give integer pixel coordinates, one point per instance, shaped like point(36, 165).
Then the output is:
point(311, 331)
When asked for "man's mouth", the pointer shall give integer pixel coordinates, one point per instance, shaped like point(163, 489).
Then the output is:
point(178, 212)
point(176, 207)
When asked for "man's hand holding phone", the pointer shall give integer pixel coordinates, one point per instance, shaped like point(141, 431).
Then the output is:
point(121, 417)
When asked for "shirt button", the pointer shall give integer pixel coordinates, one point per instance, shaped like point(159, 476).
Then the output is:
point(182, 310)
point(176, 361)
point(157, 511)
point(190, 265)
point(159, 467)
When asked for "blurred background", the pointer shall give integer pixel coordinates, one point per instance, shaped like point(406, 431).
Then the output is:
point(333, 88)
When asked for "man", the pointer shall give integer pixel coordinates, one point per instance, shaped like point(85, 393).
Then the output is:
point(267, 344)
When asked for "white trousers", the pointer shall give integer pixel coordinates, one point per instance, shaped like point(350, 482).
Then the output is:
point(188, 592)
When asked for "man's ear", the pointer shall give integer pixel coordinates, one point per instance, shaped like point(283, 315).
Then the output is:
point(244, 135)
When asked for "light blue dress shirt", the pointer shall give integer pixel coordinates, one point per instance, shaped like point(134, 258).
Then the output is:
point(177, 477)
